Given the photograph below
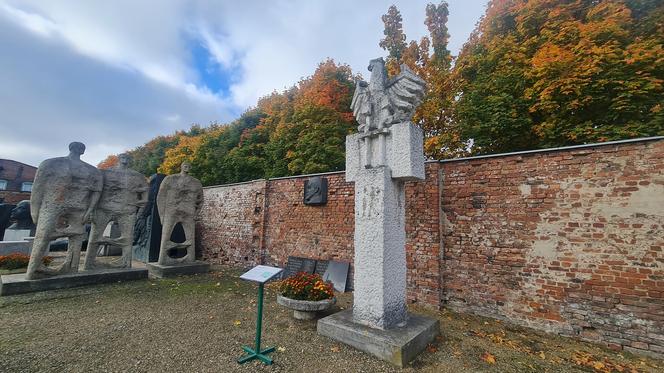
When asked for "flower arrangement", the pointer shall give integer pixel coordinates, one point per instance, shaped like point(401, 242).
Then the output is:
point(305, 286)
point(16, 260)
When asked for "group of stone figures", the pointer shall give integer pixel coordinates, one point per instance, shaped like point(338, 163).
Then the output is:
point(67, 193)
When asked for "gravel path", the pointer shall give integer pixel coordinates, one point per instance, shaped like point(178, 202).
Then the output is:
point(199, 323)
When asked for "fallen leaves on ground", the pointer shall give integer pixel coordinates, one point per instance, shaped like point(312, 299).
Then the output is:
point(489, 358)
point(605, 365)
point(335, 349)
point(237, 322)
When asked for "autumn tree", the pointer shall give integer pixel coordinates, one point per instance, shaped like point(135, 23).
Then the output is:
point(543, 73)
point(147, 158)
point(184, 151)
point(109, 162)
point(394, 41)
point(432, 61)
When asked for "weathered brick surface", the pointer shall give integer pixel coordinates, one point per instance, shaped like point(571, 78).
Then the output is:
point(566, 241)
point(319, 232)
point(229, 226)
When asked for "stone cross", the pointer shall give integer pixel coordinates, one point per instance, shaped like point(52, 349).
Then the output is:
point(387, 152)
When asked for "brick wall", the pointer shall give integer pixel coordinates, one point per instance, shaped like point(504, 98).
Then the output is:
point(568, 241)
point(13, 197)
point(229, 226)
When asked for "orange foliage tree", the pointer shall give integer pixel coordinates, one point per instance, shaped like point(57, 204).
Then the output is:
point(545, 73)
point(109, 162)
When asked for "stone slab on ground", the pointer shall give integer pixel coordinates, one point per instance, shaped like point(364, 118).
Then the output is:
point(18, 284)
point(397, 345)
point(10, 247)
point(163, 271)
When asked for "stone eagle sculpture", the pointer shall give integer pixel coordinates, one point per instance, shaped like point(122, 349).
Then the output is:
point(383, 102)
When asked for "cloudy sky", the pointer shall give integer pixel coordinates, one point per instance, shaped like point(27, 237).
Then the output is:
point(114, 74)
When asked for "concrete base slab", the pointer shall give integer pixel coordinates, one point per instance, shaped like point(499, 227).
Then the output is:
point(18, 284)
point(397, 345)
point(162, 271)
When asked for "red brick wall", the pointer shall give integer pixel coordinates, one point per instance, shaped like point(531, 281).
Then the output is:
point(568, 241)
point(13, 197)
point(229, 226)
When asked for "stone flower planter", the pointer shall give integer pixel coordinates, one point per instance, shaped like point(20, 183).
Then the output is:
point(305, 309)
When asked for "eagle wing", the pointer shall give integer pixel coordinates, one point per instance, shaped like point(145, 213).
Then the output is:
point(405, 92)
point(361, 103)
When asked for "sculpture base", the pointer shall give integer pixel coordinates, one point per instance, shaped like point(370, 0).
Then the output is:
point(397, 345)
point(163, 271)
point(18, 284)
point(11, 247)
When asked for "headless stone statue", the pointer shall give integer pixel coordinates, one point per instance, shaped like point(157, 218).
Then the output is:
point(64, 195)
point(179, 200)
point(123, 195)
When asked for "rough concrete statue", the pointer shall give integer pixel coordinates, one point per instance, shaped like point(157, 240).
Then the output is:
point(179, 200)
point(64, 195)
point(21, 216)
point(123, 196)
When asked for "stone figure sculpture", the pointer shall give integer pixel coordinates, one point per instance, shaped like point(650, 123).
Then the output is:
point(21, 215)
point(123, 196)
point(387, 152)
point(179, 200)
point(64, 195)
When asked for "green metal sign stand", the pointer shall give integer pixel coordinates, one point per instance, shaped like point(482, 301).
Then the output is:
point(256, 352)
point(259, 274)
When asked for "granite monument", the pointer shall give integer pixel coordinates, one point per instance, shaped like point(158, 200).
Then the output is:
point(385, 153)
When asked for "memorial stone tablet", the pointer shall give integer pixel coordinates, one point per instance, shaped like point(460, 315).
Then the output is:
point(309, 265)
point(321, 266)
point(337, 273)
point(293, 266)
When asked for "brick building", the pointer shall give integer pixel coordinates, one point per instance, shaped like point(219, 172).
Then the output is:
point(15, 181)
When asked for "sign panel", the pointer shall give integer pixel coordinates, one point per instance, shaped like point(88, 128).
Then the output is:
point(260, 274)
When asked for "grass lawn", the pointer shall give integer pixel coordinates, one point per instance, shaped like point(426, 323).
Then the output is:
point(199, 323)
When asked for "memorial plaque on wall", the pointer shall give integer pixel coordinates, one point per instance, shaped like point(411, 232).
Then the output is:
point(315, 191)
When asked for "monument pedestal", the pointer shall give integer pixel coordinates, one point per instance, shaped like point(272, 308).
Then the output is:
point(16, 234)
point(18, 284)
point(398, 345)
point(163, 271)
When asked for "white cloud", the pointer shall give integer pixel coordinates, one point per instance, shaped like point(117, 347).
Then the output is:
point(117, 73)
